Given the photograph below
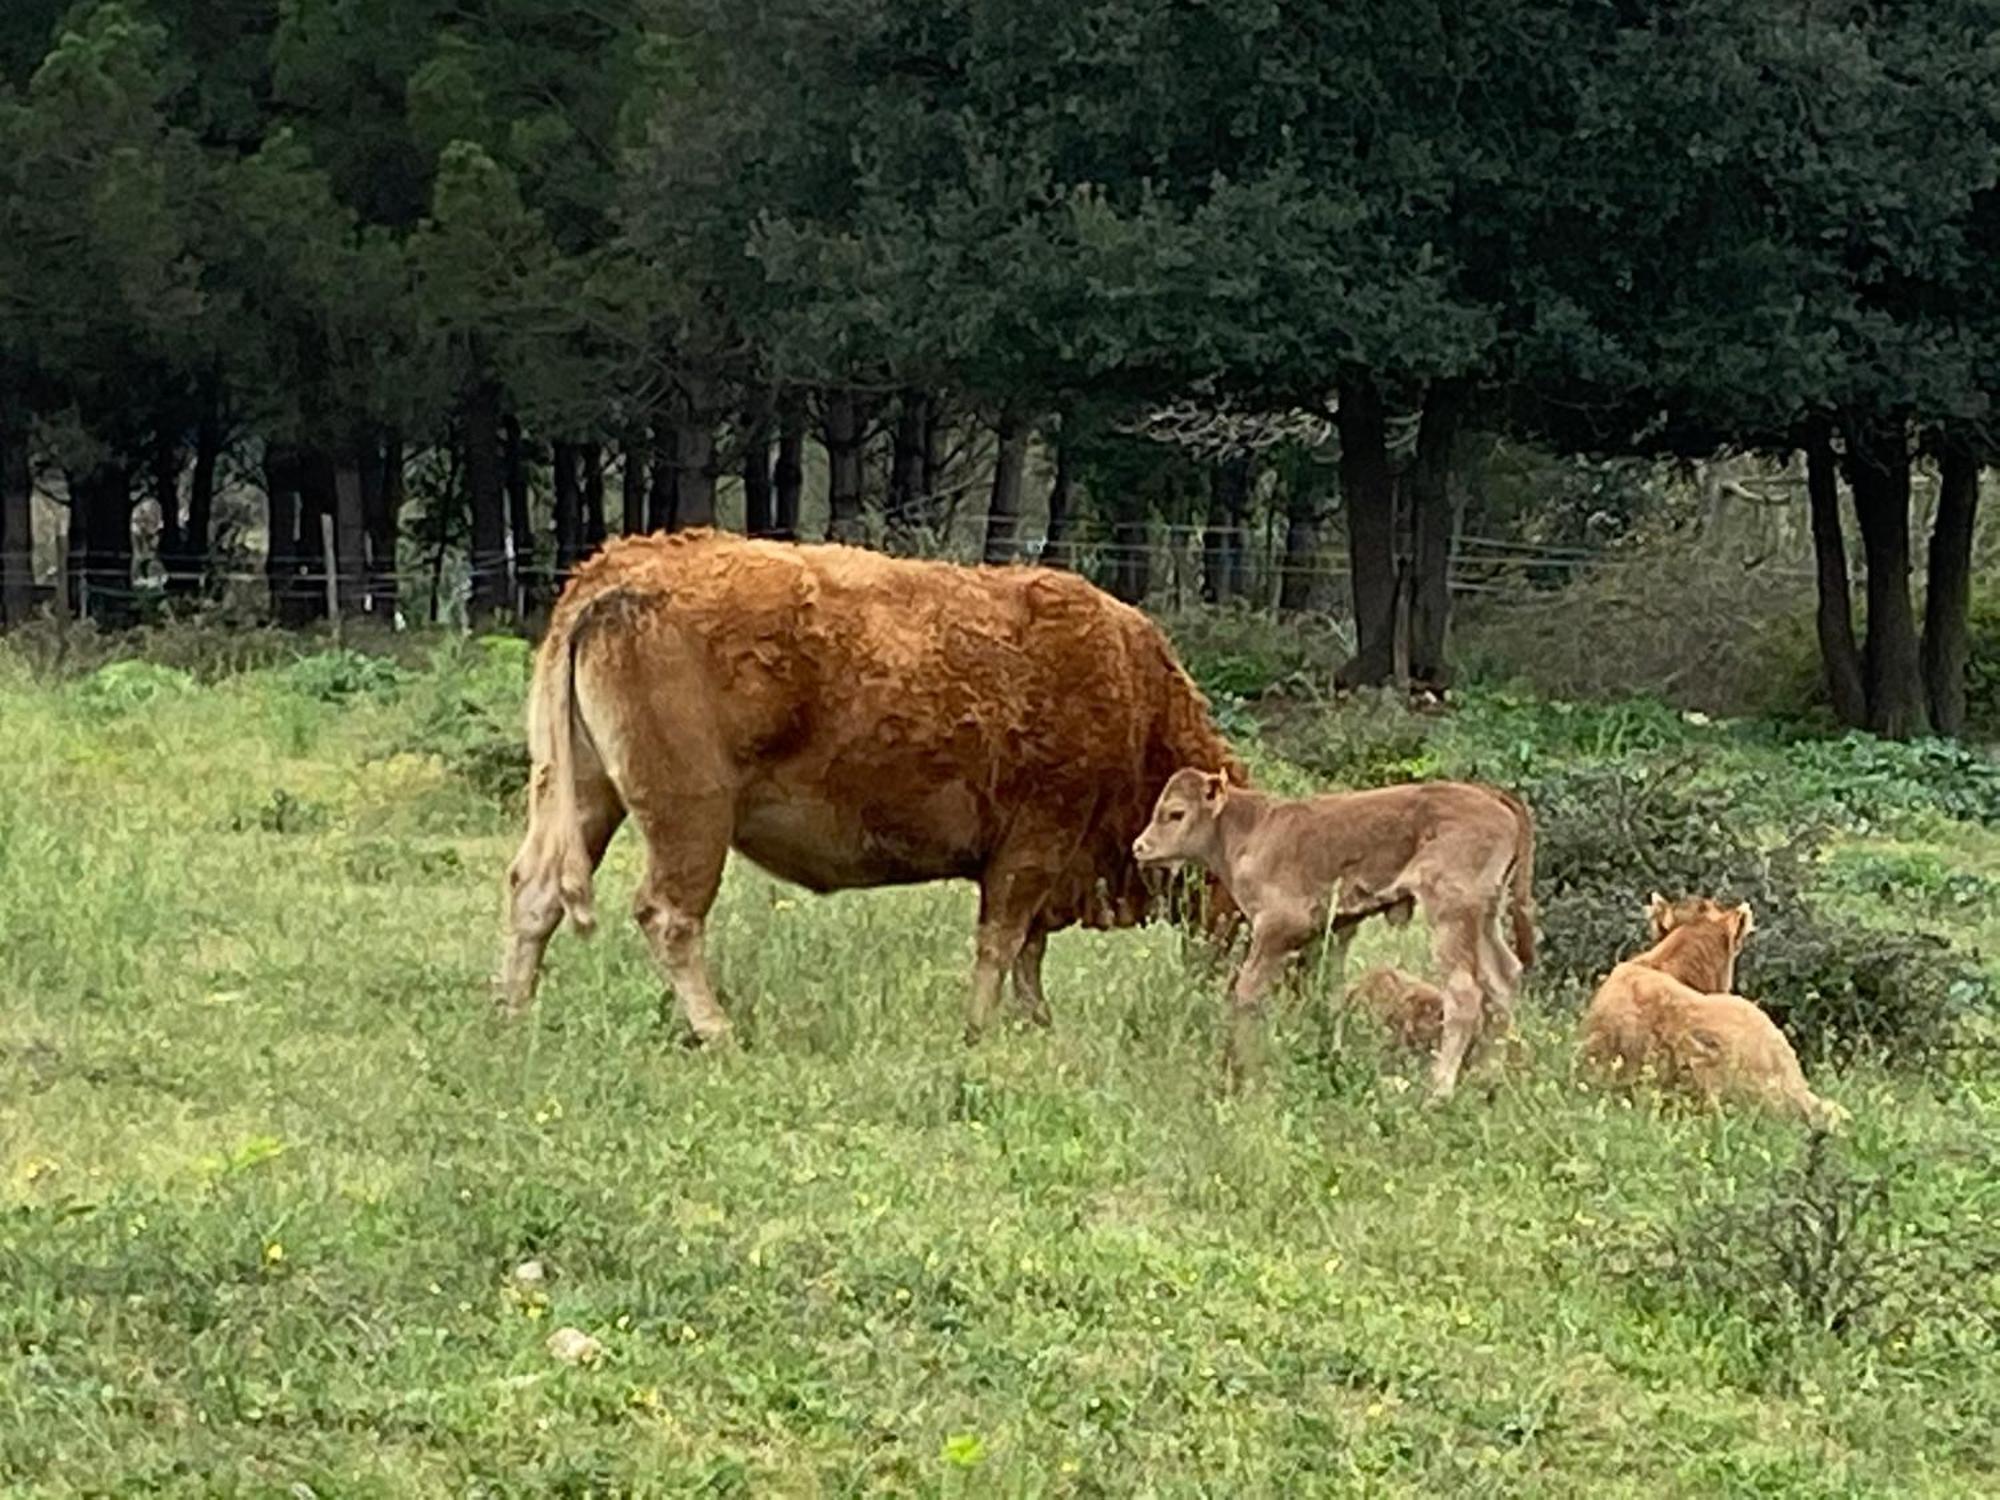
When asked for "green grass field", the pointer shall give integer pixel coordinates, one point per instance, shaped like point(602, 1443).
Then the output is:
point(267, 1168)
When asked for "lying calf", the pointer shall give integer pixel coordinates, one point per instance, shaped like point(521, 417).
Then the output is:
point(1462, 854)
point(1411, 1011)
point(1669, 1012)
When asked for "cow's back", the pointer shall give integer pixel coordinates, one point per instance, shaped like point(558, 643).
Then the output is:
point(893, 720)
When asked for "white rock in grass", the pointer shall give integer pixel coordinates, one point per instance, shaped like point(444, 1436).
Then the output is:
point(530, 1273)
point(575, 1347)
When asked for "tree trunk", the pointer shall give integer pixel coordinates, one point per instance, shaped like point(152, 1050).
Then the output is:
point(17, 528)
point(485, 484)
point(593, 497)
point(102, 566)
point(319, 495)
point(1222, 542)
point(694, 458)
point(842, 433)
point(663, 505)
point(1368, 489)
point(757, 472)
point(569, 508)
point(1428, 595)
point(930, 472)
point(908, 502)
point(1840, 657)
point(789, 475)
point(1131, 551)
point(1879, 473)
point(350, 530)
point(632, 483)
point(197, 538)
point(788, 479)
point(1056, 553)
point(281, 561)
point(385, 529)
point(374, 480)
point(1947, 643)
point(520, 522)
point(1298, 580)
point(1003, 507)
point(166, 487)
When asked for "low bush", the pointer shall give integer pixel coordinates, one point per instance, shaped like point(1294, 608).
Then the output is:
point(1864, 782)
point(1247, 654)
point(1609, 835)
point(469, 715)
point(1824, 1248)
point(122, 686)
point(342, 674)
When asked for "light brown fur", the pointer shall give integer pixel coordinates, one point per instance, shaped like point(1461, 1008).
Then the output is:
point(1668, 1013)
point(1411, 1010)
point(1321, 865)
point(845, 719)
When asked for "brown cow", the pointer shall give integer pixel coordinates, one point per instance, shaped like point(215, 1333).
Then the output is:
point(1668, 1012)
point(1301, 868)
point(845, 719)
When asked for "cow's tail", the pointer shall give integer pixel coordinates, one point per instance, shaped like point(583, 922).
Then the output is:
point(1521, 879)
point(554, 750)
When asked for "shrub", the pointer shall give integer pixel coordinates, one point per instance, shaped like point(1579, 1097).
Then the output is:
point(1915, 880)
point(123, 686)
point(1825, 1249)
point(1863, 782)
point(471, 716)
point(282, 812)
point(1245, 654)
point(1364, 739)
point(340, 675)
point(1684, 618)
point(1608, 835)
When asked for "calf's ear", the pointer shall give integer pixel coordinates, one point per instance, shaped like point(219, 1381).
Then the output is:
point(1658, 910)
point(1745, 923)
point(1213, 789)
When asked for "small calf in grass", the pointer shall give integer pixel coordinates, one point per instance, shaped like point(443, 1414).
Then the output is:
point(1300, 868)
point(1668, 1013)
point(1411, 1011)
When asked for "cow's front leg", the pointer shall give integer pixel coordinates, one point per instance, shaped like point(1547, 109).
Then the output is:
point(1009, 897)
point(1029, 997)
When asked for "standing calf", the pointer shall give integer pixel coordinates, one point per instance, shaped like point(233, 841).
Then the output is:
point(1298, 869)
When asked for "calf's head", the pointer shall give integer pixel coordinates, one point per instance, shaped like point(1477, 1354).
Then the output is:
point(1665, 916)
point(1183, 826)
point(1715, 937)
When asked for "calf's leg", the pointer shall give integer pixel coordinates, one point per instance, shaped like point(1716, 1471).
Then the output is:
point(1275, 937)
point(1455, 944)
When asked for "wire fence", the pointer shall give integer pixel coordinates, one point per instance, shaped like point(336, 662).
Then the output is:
point(1494, 569)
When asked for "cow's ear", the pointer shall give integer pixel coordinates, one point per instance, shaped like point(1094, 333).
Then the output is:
point(1744, 921)
point(1214, 787)
point(1658, 911)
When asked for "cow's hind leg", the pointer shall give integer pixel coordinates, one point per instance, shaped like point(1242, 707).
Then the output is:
point(534, 898)
point(687, 843)
point(1029, 997)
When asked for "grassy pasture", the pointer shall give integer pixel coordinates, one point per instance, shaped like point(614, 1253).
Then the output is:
point(267, 1168)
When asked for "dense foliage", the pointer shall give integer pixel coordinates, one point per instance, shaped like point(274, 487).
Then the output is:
point(483, 283)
